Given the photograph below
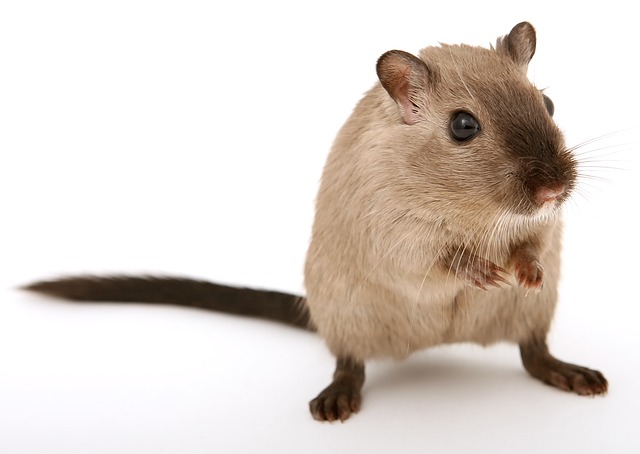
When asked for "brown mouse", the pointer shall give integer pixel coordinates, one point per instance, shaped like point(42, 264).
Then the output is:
point(438, 220)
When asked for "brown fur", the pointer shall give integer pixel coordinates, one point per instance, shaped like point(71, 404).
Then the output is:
point(266, 304)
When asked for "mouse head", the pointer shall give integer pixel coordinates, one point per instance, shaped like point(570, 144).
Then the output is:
point(476, 132)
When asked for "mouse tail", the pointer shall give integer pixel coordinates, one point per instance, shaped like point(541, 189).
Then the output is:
point(270, 305)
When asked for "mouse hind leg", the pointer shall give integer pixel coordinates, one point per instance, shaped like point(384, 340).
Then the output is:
point(569, 377)
point(342, 397)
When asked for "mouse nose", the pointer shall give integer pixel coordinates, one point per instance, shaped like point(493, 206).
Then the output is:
point(546, 194)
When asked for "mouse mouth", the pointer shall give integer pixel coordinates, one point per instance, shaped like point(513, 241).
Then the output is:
point(545, 202)
point(528, 214)
point(547, 209)
point(548, 198)
point(538, 200)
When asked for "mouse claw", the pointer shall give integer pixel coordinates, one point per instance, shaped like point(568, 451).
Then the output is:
point(480, 273)
point(501, 280)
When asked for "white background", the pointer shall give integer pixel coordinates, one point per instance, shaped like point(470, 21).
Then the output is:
point(188, 138)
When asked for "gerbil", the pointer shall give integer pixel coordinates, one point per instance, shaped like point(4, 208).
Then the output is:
point(446, 181)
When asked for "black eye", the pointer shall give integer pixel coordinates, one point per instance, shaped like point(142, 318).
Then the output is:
point(464, 126)
point(548, 104)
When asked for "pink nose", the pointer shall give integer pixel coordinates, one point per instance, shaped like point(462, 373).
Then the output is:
point(548, 193)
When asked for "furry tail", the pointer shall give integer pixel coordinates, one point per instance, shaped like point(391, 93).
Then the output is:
point(270, 305)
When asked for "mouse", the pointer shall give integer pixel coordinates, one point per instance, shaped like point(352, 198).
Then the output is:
point(438, 220)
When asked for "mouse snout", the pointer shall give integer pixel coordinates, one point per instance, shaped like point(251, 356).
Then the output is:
point(546, 194)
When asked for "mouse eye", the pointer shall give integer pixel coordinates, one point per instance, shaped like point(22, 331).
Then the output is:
point(464, 126)
point(548, 104)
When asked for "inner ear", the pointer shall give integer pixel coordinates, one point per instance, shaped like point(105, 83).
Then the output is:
point(519, 44)
point(405, 77)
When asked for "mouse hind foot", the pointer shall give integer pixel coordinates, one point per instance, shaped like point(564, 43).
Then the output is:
point(568, 377)
point(342, 397)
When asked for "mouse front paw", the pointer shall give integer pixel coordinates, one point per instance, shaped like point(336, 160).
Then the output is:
point(529, 273)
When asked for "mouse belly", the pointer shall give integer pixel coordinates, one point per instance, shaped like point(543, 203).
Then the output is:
point(388, 327)
point(508, 314)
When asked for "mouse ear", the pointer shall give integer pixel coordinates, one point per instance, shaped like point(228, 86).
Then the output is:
point(519, 44)
point(405, 77)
